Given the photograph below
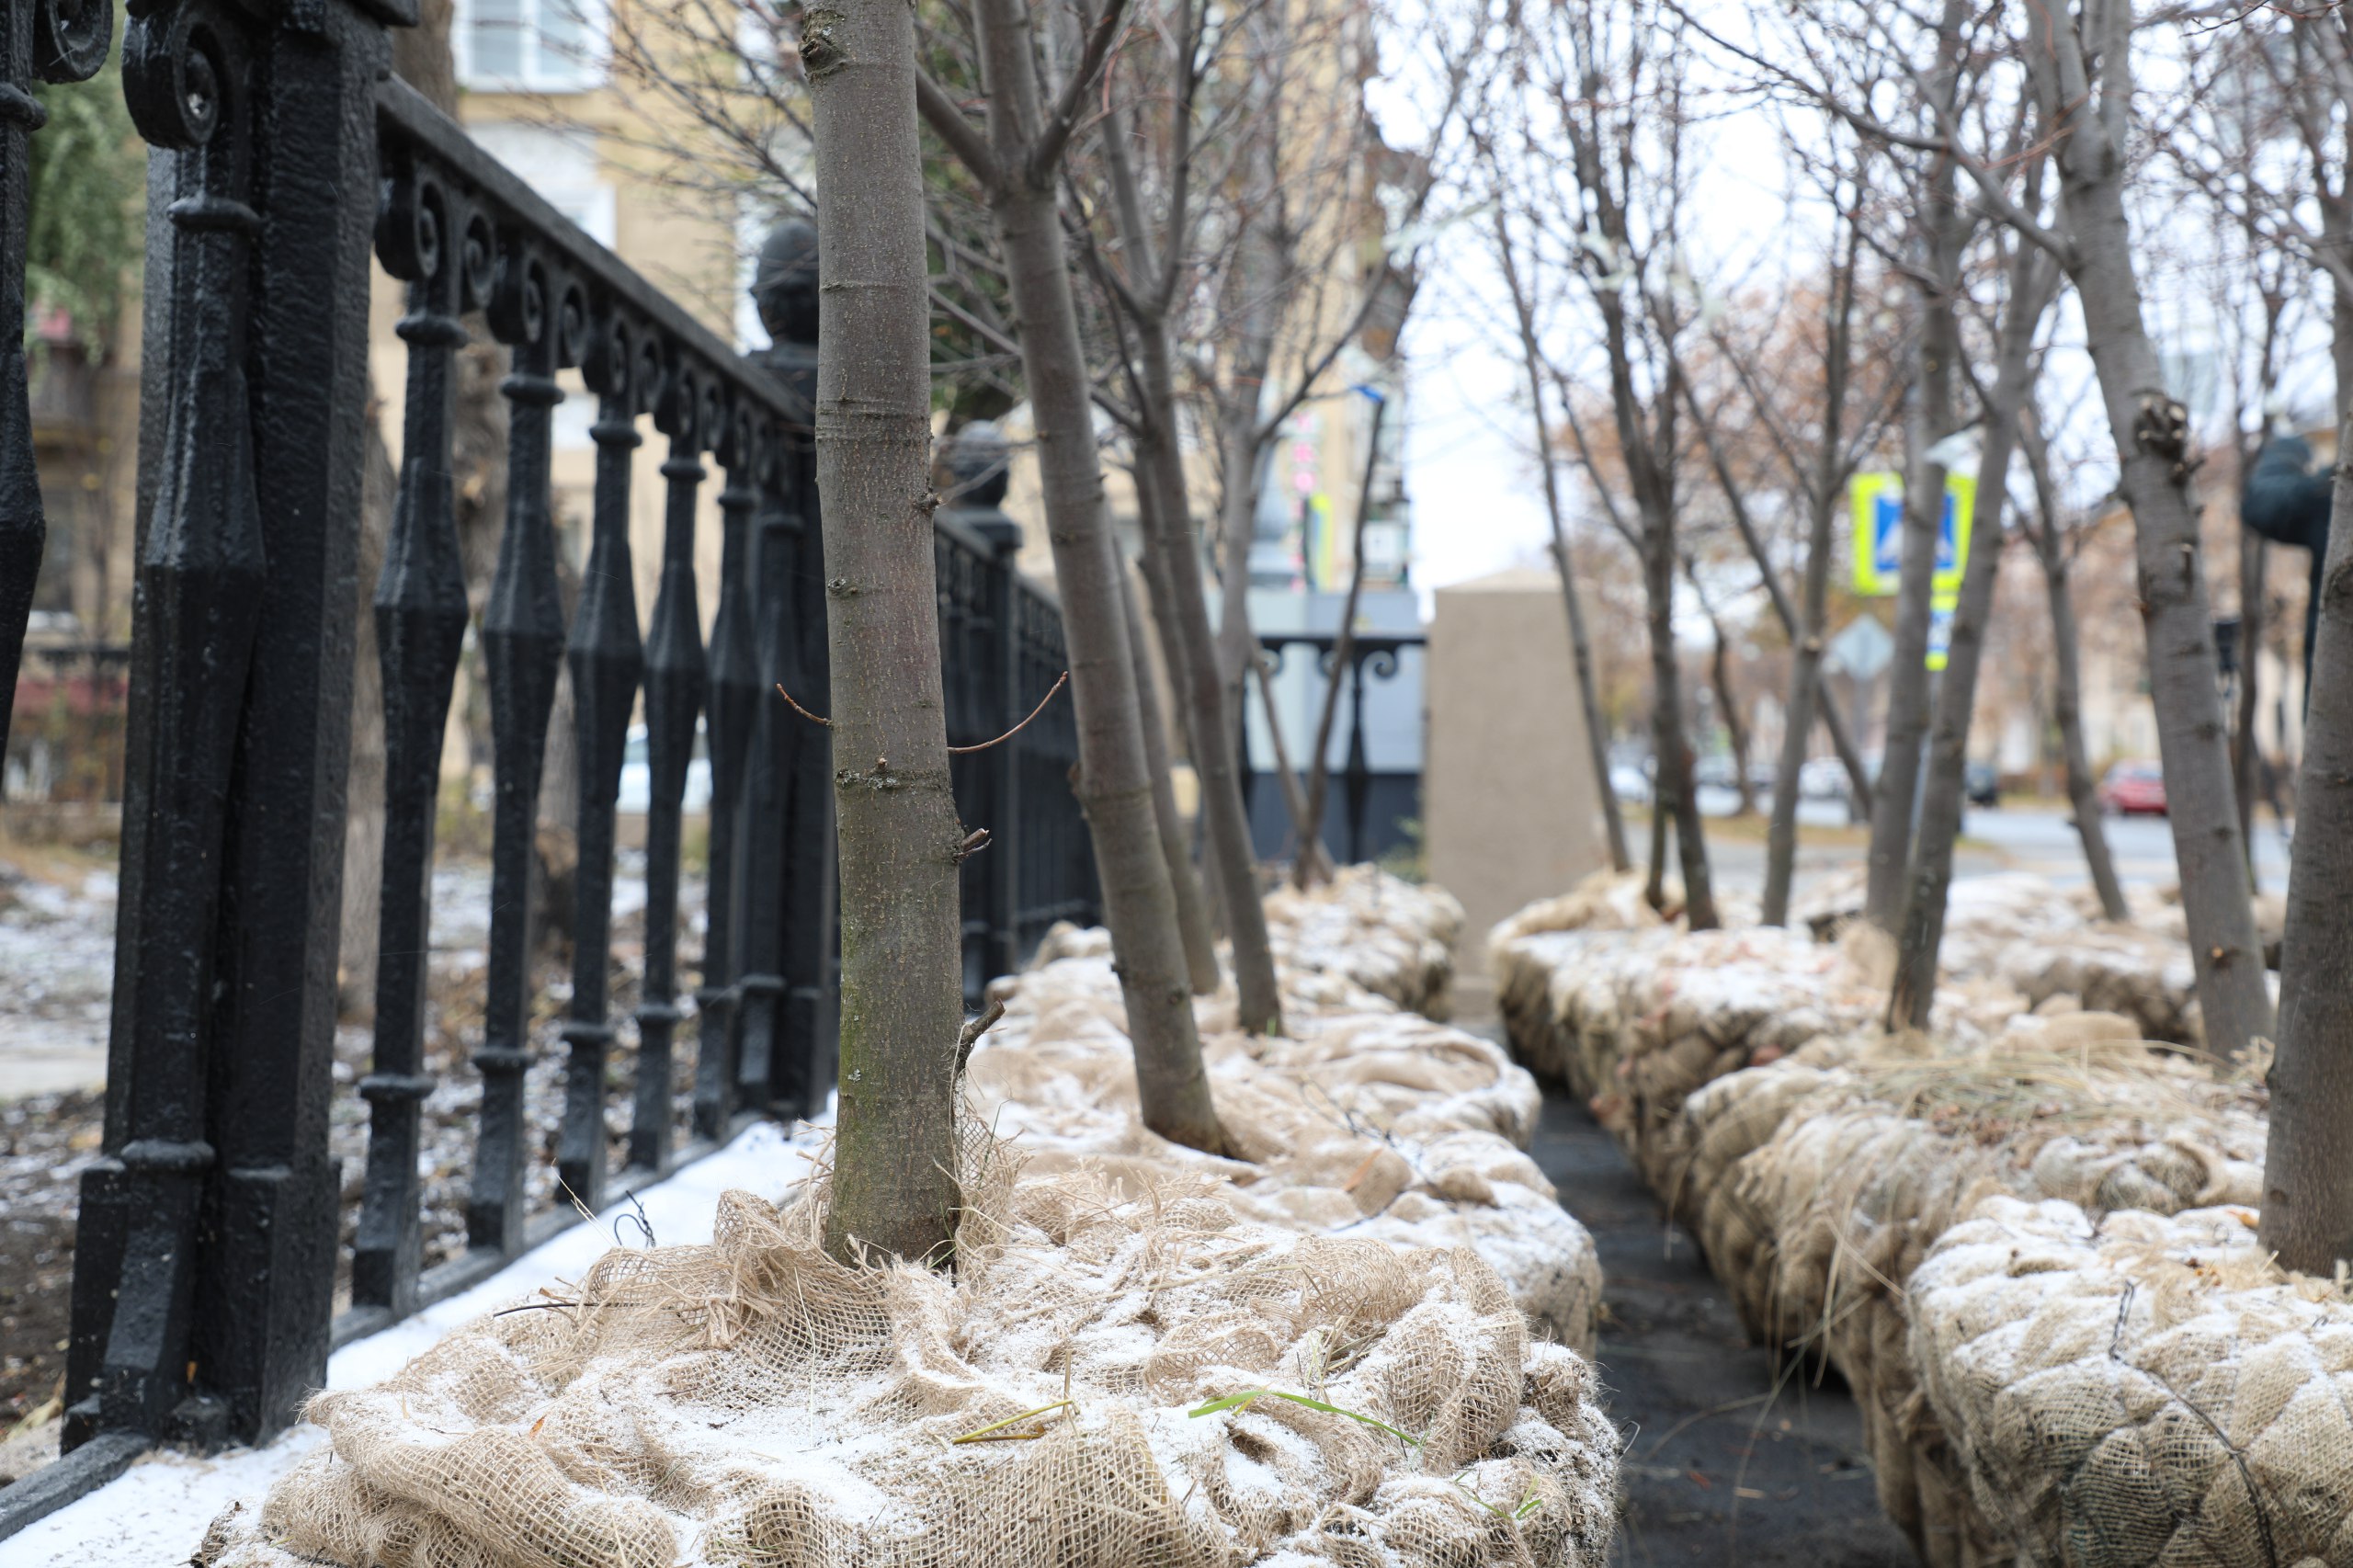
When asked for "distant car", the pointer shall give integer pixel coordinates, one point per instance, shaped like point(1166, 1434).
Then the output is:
point(637, 776)
point(1982, 784)
point(1762, 775)
point(1822, 779)
point(1717, 772)
point(1630, 784)
point(2133, 788)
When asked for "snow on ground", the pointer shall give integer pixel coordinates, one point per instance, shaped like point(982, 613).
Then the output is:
point(156, 1514)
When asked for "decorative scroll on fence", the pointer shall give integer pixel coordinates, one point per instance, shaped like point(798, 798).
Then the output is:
point(284, 157)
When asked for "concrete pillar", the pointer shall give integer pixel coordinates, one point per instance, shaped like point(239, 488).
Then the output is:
point(1508, 799)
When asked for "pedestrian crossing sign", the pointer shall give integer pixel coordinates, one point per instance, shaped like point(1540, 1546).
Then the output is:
point(1876, 505)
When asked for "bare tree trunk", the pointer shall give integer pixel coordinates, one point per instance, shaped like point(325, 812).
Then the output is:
point(1319, 768)
point(1115, 782)
point(1675, 795)
point(2247, 759)
point(1896, 795)
point(1727, 699)
point(1213, 742)
point(1172, 563)
point(1613, 819)
point(1192, 911)
point(1735, 727)
point(2032, 278)
point(2066, 665)
point(901, 964)
point(1805, 628)
point(2151, 438)
point(2307, 1181)
point(1654, 869)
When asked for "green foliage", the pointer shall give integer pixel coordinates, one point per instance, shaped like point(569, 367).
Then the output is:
point(87, 190)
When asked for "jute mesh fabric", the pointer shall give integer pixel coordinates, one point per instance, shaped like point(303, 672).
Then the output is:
point(753, 1401)
point(2132, 1389)
point(1363, 1121)
point(1377, 932)
point(1817, 1185)
point(1820, 1160)
point(1636, 1013)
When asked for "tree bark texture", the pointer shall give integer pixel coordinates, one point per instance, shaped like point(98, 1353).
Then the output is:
point(1115, 782)
point(1613, 818)
point(1192, 911)
point(2307, 1180)
point(897, 833)
point(1895, 794)
point(1806, 625)
point(2151, 435)
point(1675, 795)
point(1204, 691)
point(2067, 681)
point(1942, 801)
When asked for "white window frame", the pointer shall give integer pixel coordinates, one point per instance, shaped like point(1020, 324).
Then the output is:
point(544, 70)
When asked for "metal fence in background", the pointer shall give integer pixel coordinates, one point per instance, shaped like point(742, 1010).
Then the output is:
point(282, 157)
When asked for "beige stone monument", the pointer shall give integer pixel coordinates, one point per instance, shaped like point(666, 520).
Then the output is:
point(1509, 808)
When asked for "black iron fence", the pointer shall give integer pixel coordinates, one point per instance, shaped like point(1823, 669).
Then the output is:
point(1371, 810)
point(282, 157)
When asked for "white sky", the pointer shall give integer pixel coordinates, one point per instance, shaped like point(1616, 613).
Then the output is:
point(1470, 454)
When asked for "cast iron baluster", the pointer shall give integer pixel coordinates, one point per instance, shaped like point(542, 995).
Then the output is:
point(768, 782)
point(60, 41)
point(1004, 766)
point(808, 1037)
point(200, 574)
point(607, 658)
point(675, 681)
point(793, 904)
point(734, 698)
point(522, 638)
point(1356, 776)
point(420, 633)
point(992, 664)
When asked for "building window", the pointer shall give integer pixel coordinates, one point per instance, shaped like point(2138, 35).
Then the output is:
point(530, 45)
point(560, 162)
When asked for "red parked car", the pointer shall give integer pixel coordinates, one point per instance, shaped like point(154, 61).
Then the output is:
point(2134, 788)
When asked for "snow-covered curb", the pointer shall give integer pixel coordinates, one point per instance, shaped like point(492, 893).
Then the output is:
point(157, 1512)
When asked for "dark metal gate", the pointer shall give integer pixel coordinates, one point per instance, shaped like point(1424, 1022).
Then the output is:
point(282, 157)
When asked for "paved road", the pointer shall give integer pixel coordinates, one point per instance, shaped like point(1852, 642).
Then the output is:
point(1727, 1463)
point(2027, 836)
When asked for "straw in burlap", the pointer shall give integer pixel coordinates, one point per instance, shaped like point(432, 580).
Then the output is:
point(2141, 1389)
point(754, 1402)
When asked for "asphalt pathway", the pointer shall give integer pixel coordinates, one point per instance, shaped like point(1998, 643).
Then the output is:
point(1727, 1461)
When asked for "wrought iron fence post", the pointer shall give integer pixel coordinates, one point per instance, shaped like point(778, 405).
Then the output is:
point(768, 786)
point(1358, 777)
point(677, 679)
point(734, 693)
point(790, 856)
point(445, 250)
point(56, 44)
point(205, 1264)
point(535, 311)
point(607, 660)
point(979, 463)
